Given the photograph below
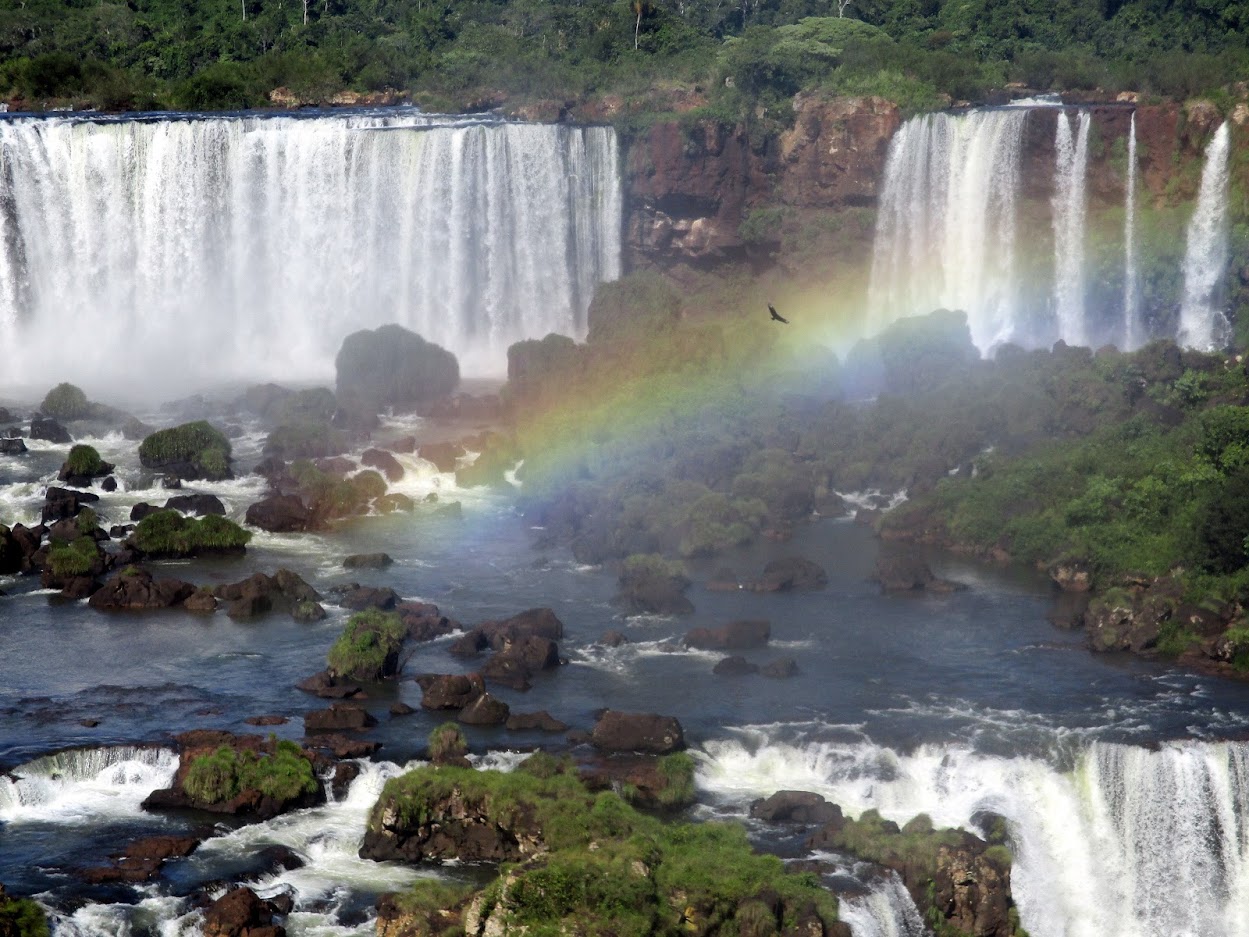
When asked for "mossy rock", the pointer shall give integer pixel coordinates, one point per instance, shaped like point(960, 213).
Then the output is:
point(21, 917)
point(306, 438)
point(171, 534)
point(392, 367)
point(284, 775)
point(368, 648)
point(67, 402)
point(190, 451)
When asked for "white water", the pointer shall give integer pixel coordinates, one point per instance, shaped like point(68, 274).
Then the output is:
point(1069, 204)
point(945, 231)
point(1202, 324)
point(1133, 328)
point(886, 911)
point(210, 249)
point(1128, 843)
point(82, 785)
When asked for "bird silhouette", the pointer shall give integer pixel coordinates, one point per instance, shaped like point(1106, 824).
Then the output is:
point(776, 316)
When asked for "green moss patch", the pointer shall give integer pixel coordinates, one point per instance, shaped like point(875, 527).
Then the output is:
point(169, 533)
point(194, 450)
point(76, 558)
point(283, 775)
point(368, 648)
point(66, 402)
point(84, 460)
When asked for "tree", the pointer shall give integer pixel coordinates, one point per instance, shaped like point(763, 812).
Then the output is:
point(639, 7)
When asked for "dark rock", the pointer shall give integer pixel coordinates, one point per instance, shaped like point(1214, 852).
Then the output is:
point(329, 686)
point(734, 667)
point(79, 587)
point(781, 668)
point(541, 721)
point(394, 501)
point(791, 573)
point(470, 644)
point(239, 913)
point(392, 367)
point(273, 720)
point(368, 561)
point(171, 482)
point(258, 594)
point(109, 484)
point(444, 455)
point(120, 531)
point(135, 588)
point(613, 639)
point(10, 445)
point(307, 612)
point(536, 622)
point(450, 691)
point(652, 589)
point(336, 465)
point(424, 621)
point(399, 708)
point(485, 710)
point(60, 503)
point(724, 580)
point(404, 444)
point(638, 732)
point(796, 807)
point(338, 717)
point(344, 774)
point(384, 462)
point(341, 746)
point(358, 598)
point(142, 510)
point(507, 670)
point(735, 636)
point(280, 514)
point(907, 572)
point(198, 505)
point(48, 430)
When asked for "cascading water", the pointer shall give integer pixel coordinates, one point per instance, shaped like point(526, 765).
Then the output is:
point(1070, 169)
point(1133, 328)
point(97, 780)
point(945, 235)
point(886, 911)
point(214, 248)
point(1202, 324)
point(1126, 842)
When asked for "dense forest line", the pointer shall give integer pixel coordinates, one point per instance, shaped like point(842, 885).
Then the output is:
point(749, 56)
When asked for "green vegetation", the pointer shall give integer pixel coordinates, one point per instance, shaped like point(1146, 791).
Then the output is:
point(76, 558)
point(66, 402)
point(331, 497)
point(169, 533)
point(84, 460)
point(611, 869)
point(368, 648)
point(284, 774)
point(21, 917)
point(678, 771)
point(447, 741)
point(732, 59)
point(87, 521)
point(193, 450)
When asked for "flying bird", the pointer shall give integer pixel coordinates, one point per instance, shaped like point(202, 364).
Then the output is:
point(776, 316)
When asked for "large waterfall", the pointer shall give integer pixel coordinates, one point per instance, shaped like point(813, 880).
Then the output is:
point(1133, 328)
point(1202, 323)
point(178, 250)
point(1071, 166)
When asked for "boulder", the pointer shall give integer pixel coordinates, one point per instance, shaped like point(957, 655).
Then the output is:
point(384, 462)
point(723, 580)
point(328, 685)
point(485, 710)
point(507, 670)
point(780, 669)
point(240, 913)
point(60, 503)
point(48, 430)
point(392, 367)
point(135, 588)
point(450, 691)
point(535, 622)
point(649, 585)
point(199, 505)
point(336, 465)
point(735, 666)
point(444, 455)
point(259, 594)
point(280, 514)
point(338, 717)
point(796, 807)
point(637, 732)
point(541, 721)
point(791, 574)
point(368, 561)
point(907, 572)
point(424, 621)
point(735, 636)
point(142, 510)
point(613, 638)
point(12, 445)
point(358, 598)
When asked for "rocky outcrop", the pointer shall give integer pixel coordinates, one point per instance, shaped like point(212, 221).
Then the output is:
point(449, 691)
point(240, 913)
point(637, 732)
point(260, 594)
point(907, 572)
point(834, 154)
point(735, 636)
point(795, 807)
point(792, 573)
point(136, 588)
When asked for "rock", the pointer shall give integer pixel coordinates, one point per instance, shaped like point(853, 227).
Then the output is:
point(384, 462)
point(340, 746)
point(392, 367)
point(612, 639)
point(796, 807)
point(424, 621)
point(259, 594)
point(444, 455)
point(199, 505)
point(358, 598)
point(791, 574)
point(394, 501)
point(399, 708)
point(239, 913)
point(142, 860)
point(404, 444)
point(734, 667)
point(328, 685)
point(109, 484)
point(485, 710)
point(171, 482)
point(336, 465)
point(48, 430)
point(650, 585)
point(902, 573)
point(1072, 576)
point(781, 668)
point(541, 721)
point(450, 691)
point(273, 720)
point(1133, 619)
point(735, 636)
point(368, 561)
point(338, 717)
point(507, 670)
point(142, 510)
point(724, 580)
point(307, 612)
point(135, 588)
point(536, 622)
point(280, 514)
point(638, 732)
point(202, 601)
point(10, 445)
point(60, 503)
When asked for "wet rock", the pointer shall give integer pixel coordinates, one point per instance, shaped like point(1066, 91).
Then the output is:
point(613, 639)
point(271, 720)
point(796, 807)
point(538, 622)
point(135, 588)
point(198, 505)
point(48, 430)
point(399, 708)
point(12, 445)
point(384, 462)
point(507, 670)
point(240, 913)
point(368, 561)
point(734, 666)
point(358, 598)
point(142, 510)
point(724, 580)
point(284, 591)
point(424, 621)
point(280, 514)
point(637, 732)
point(541, 721)
point(791, 574)
point(450, 691)
point(336, 465)
point(485, 710)
point(109, 484)
point(444, 455)
point(329, 686)
point(60, 503)
point(651, 586)
point(394, 501)
point(735, 636)
point(780, 669)
point(307, 612)
point(341, 746)
point(339, 717)
point(1072, 576)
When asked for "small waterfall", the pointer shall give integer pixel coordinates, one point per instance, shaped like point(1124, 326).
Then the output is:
point(1202, 324)
point(1129, 842)
point(67, 785)
point(218, 248)
point(945, 232)
point(1069, 205)
point(886, 911)
point(1133, 329)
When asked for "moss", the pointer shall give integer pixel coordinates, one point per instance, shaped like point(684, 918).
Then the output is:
point(678, 771)
point(169, 533)
point(22, 917)
point(368, 648)
point(73, 559)
point(284, 774)
point(66, 402)
point(447, 741)
point(84, 460)
point(87, 521)
point(196, 446)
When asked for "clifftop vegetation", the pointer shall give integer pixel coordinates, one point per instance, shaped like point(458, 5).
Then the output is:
point(145, 54)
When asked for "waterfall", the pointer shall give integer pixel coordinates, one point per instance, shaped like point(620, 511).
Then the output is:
point(1202, 324)
point(66, 785)
point(945, 235)
point(220, 248)
point(1125, 842)
point(1070, 168)
point(1133, 329)
point(886, 911)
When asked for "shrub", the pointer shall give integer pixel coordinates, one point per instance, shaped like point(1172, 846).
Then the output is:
point(678, 771)
point(193, 450)
point(66, 402)
point(284, 774)
point(447, 741)
point(87, 521)
point(84, 460)
point(635, 306)
point(73, 559)
point(22, 917)
point(368, 648)
point(169, 533)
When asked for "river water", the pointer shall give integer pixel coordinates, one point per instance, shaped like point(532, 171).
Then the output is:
point(1124, 781)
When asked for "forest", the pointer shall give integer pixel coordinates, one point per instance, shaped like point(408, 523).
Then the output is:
point(746, 56)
